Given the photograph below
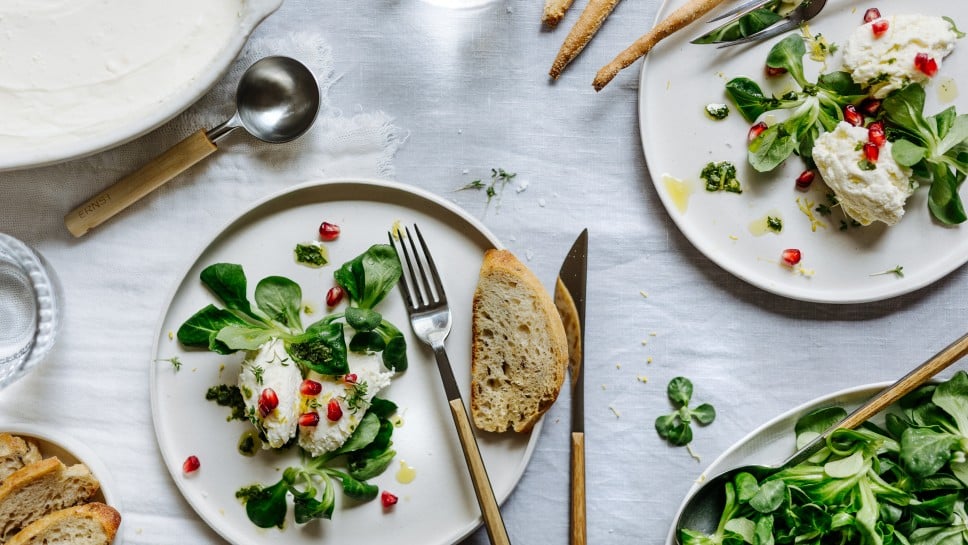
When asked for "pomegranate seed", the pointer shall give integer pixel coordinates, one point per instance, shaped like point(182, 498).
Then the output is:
point(333, 411)
point(268, 401)
point(773, 72)
point(926, 64)
point(791, 256)
point(334, 296)
point(309, 420)
point(870, 106)
point(350, 378)
point(387, 499)
point(191, 464)
point(875, 134)
point(871, 152)
point(879, 27)
point(328, 231)
point(805, 179)
point(872, 14)
point(852, 116)
point(310, 387)
point(755, 131)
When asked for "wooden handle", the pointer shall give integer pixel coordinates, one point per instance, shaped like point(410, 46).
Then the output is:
point(578, 534)
point(139, 183)
point(676, 20)
point(939, 362)
point(482, 485)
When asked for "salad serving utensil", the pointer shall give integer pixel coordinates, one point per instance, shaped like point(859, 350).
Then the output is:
point(430, 319)
point(806, 10)
point(570, 290)
point(277, 100)
point(702, 509)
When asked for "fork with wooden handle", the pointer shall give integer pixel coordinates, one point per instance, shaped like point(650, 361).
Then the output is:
point(431, 321)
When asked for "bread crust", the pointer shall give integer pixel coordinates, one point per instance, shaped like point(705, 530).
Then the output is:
point(503, 265)
point(106, 517)
point(15, 453)
point(76, 480)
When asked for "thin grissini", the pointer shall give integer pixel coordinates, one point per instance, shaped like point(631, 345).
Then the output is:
point(588, 23)
point(554, 11)
point(677, 20)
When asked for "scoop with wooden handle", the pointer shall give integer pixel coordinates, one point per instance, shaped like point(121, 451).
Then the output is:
point(277, 101)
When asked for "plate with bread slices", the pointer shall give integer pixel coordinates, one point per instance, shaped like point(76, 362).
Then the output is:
point(433, 499)
point(54, 490)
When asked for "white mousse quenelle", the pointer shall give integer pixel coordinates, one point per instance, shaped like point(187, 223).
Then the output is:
point(869, 184)
point(269, 383)
point(334, 406)
point(888, 53)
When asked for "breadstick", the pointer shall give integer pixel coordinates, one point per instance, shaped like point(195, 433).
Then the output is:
point(588, 23)
point(554, 10)
point(677, 20)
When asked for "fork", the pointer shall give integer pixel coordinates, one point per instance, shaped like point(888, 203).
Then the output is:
point(808, 9)
point(430, 319)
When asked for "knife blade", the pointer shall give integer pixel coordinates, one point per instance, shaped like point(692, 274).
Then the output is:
point(570, 301)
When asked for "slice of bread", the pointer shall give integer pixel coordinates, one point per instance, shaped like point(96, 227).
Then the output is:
point(41, 488)
point(15, 453)
point(88, 524)
point(519, 352)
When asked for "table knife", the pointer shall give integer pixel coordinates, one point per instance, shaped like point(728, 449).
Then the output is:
point(570, 301)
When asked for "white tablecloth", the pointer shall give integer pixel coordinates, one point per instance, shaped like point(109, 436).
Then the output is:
point(436, 97)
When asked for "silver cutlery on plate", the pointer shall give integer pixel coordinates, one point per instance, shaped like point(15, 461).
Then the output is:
point(806, 10)
point(430, 319)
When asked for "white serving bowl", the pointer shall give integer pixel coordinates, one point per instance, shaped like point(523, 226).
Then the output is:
point(71, 451)
point(252, 13)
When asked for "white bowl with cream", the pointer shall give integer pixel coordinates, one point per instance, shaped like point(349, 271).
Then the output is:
point(81, 76)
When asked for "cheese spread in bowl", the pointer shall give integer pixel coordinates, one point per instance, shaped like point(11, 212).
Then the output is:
point(80, 76)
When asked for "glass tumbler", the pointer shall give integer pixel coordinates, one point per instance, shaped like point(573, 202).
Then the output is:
point(30, 309)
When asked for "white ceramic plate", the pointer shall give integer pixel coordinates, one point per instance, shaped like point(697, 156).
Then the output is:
point(438, 507)
point(678, 79)
point(195, 85)
point(775, 441)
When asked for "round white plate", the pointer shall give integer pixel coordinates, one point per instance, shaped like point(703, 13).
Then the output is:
point(678, 79)
point(109, 135)
point(775, 441)
point(439, 506)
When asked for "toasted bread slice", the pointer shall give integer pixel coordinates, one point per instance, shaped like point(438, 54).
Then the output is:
point(15, 453)
point(41, 488)
point(519, 352)
point(88, 524)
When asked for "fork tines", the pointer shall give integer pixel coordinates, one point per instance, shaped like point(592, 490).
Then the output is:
point(417, 293)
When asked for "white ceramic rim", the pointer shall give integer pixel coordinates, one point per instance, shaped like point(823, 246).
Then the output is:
point(174, 465)
point(254, 12)
point(856, 393)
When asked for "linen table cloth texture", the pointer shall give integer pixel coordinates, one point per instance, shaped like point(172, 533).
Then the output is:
point(463, 91)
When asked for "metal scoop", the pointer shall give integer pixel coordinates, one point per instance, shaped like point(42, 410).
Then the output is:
point(277, 101)
point(703, 508)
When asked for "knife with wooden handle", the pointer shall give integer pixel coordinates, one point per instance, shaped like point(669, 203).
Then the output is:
point(570, 300)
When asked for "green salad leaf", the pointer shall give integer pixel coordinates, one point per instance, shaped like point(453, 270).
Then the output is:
point(935, 147)
point(364, 455)
point(814, 108)
point(675, 427)
point(903, 484)
point(369, 277)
